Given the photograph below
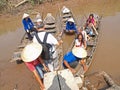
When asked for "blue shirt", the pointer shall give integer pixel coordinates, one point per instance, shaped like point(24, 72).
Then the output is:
point(69, 57)
point(28, 24)
point(70, 26)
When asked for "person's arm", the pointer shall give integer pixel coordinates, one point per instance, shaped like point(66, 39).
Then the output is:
point(68, 66)
point(85, 45)
point(39, 80)
point(42, 62)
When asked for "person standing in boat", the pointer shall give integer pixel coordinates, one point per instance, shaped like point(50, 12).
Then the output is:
point(77, 54)
point(53, 62)
point(91, 23)
point(70, 26)
point(31, 56)
point(28, 25)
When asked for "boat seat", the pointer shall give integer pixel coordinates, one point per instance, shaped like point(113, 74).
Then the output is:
point(91, 44)
point(17, 56)
point(93, 35)
point(50, 26)
point(51, 30)
point(22, 46)
point(66, 16)
point(89, 54)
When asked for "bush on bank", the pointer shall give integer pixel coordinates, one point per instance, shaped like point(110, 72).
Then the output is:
point(3, 4)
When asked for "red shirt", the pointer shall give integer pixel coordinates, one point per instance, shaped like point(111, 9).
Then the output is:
point(31, 65)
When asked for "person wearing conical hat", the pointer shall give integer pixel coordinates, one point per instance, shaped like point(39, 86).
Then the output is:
point(28, 25)
point(53, 62)
point(70, 26)
point(77, 54)
point(31, 56)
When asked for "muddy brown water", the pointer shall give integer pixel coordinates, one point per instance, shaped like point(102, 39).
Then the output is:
point(106, 57)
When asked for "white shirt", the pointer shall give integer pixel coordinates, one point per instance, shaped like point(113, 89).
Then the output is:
point(84, 35)
point(50, 39)
point(77, 43)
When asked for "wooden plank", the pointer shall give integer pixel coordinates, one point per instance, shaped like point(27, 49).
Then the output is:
point(16, 56)
point(51, 81)
point(67, 16)
point(50, 26)
point(67, 81)
point(91, 44)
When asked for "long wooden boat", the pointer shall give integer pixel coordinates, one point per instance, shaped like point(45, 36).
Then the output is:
point(50, 27)
point(65, 15)
point(91, 47)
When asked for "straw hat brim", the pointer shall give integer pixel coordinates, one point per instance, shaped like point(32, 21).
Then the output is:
point(31, 52)
point(79, 52)
point(71, 20)
point(66, 10)
point(25, 15)
point(39, 20)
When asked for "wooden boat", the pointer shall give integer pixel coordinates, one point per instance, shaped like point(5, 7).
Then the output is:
point(63, 79)
point(65, 15)
point(91, 47)
point(50, 25)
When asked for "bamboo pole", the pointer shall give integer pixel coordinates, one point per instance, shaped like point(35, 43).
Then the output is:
point(20, 3)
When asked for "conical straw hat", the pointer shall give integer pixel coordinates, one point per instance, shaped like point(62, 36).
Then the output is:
point(25, 15)
point(71, 20)
point(79, 52)
point(65, 10)
point(31, 52)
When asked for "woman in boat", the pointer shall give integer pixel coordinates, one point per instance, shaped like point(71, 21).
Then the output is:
point(77, 54)
point(80, 41)
point(70, 26)
point(28, 25)
point(91, 23)
point(31, 56)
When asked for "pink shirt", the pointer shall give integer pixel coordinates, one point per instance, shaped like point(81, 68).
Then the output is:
point(31, 65)
point(91, 20)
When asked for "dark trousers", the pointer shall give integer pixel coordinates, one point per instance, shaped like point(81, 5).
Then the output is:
point(30, 37)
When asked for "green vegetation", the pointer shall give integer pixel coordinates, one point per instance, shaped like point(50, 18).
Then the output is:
point(3, 4)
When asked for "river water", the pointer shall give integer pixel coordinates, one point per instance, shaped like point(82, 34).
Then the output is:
point(106, 57)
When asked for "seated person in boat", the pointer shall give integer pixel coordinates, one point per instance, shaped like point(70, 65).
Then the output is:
point(82, 30)
point(31, 56)
point(70, 26)
point(91, 23)
point(38, 22)
point(77, 54)
point(28, 25)
point(53, 61)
